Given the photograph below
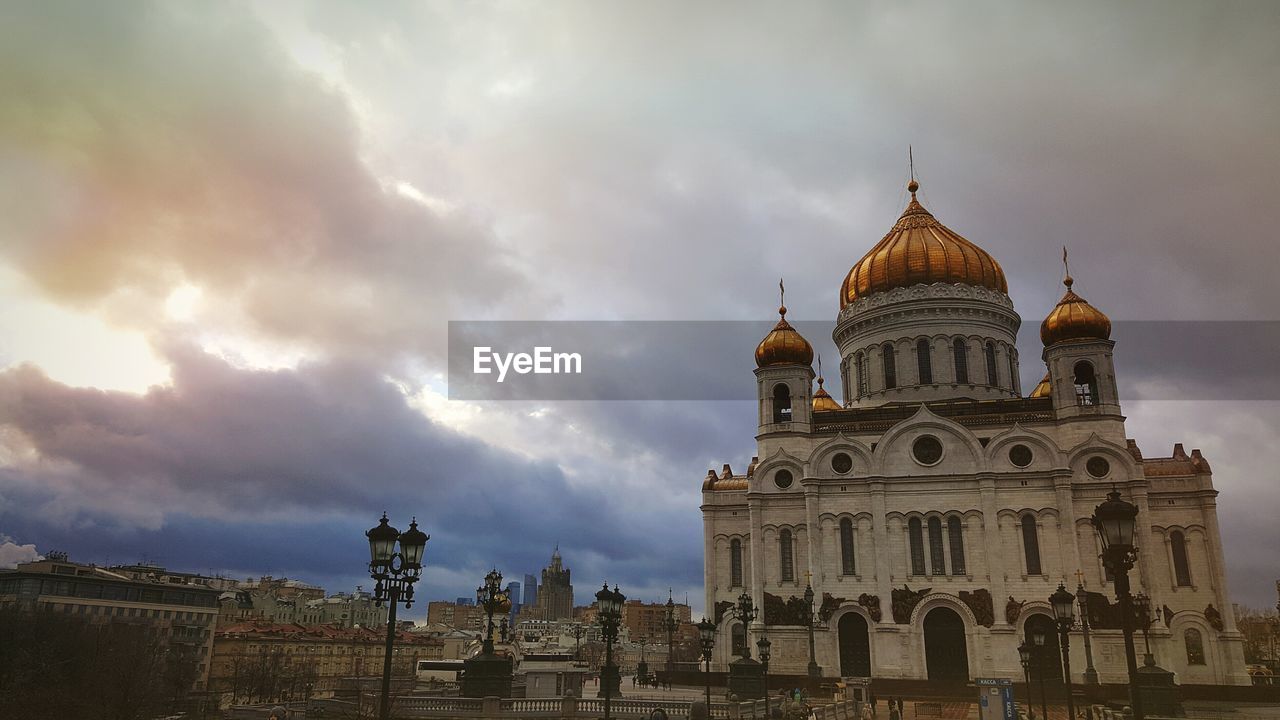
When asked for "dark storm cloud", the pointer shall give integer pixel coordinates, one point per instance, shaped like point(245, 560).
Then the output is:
point(227, 460)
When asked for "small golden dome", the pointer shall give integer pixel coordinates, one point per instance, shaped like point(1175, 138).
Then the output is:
point(919, 249)
point(1043, 388)
point(783, 345)
point(822, 400)
point(1074, 319)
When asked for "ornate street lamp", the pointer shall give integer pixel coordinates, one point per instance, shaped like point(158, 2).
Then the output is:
point(815, 672)
point(1082, 597)
point(1024, 656)
point(1116, 522)
point(707, 636)
point(744, 673)
point(1042, 664)
point(394, 572)
point(1064, 607)
point(762, 646)
point(610, 604)
point(669, 624)
point(1142, 616)
point(489, 674)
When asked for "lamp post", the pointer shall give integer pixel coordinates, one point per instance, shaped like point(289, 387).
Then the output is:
point(669, 624)
point(815, 672)
point(489, 674)
point(1064, 605)
point(394, 572)
point(1042, 664)
point(1090, 674)
point(744, 673)
point(1142, 616)
point(1024, 656)
point(707, 636)
point(1116, 520)
point(610, 603)
point(762, 646)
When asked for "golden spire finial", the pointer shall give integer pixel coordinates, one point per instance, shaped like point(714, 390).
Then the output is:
point(782, 298)
point(911, 162)
point(819, 369)
point(1066, 269)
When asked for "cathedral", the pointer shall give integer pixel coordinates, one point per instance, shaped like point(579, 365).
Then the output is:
point(935, 511)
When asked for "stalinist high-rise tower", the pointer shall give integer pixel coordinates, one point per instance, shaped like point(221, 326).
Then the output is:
point(555, 596)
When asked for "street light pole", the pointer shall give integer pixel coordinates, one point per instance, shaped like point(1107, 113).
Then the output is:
point(1090, 674)
point(815, 672)
point(1116, 520)
point(394, 572)
point(1063, 604)
point(1042, 665)
point(707, 635)
point(1024, 656)
point(763, 646)
point(610, 603)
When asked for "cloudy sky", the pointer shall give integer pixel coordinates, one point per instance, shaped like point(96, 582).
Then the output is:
point(232, 235)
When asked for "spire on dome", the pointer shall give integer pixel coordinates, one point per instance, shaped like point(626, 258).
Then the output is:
point(783, 345)
point(1073, 318)
point(822, 400)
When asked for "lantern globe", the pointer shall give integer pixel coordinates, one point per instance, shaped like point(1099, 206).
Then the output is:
point(1116, 521)
point(382, 542)
point(413, 543)
point(1064, 604)
point(1024, 654)
point(1037, 637)
point(707, 632)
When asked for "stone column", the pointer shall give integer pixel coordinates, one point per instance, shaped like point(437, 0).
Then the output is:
point(1067, 537)
point(880, 531)
point(814, 537)
point(757, 560)
point(992, 542)
point(1218, 566)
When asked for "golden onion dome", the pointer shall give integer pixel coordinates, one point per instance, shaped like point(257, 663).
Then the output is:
point(919, 249)
point(1074, 319)
point(1043, 388)
point(822, 400)
point(783, 345)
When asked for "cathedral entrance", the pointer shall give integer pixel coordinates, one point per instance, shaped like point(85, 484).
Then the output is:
point(855, 646)
point(945, 652)
point(1046, 660)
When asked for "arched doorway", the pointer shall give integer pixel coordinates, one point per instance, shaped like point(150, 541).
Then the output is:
point(1046, 660)
point(946, 654)
point(855, 646)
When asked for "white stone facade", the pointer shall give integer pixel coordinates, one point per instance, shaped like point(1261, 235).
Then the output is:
point(857, 475)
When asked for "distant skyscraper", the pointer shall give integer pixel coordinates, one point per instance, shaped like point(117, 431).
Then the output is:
point(465, 601)
point(530, 591)
point(555, 595)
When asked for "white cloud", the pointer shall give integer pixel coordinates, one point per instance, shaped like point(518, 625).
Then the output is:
point(12, 553)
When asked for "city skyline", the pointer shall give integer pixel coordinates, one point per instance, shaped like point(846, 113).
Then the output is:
point(233, 237)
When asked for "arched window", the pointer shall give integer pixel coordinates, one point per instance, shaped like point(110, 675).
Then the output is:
point(1181, 569)
point(916, 538)
point(860, 372)
point(960, 349)
point(786, 561)
point(1031, 543)
point(1086, 383)
point(1195, 646)
point(848, 566)
point(992, 379)
point(735, 563)
point(955, 535)
point(890, 367)
point(738, 644)
point(937, 562)
point(924, 361)
point(781, 403)
point(1013, 371)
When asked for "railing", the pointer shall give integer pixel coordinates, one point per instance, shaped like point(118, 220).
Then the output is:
point(449, 708)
